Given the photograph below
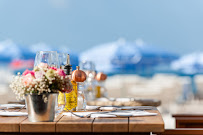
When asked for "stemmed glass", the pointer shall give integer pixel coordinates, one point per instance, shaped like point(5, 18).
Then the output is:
point(62, 58)
point(48, 57)
point(51, 58)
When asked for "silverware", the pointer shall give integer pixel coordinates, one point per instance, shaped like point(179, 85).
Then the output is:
point(88, 115)
point(109, 113)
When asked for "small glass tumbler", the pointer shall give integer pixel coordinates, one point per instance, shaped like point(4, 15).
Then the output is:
point(81, 106)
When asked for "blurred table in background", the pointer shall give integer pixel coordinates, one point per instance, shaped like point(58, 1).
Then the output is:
point(17, 102)
point(125, 102)
point(115, 102)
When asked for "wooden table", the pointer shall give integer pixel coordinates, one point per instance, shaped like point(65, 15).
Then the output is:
point(189, 115)
point(131, 102)
point(188, 120)
point(71, 124)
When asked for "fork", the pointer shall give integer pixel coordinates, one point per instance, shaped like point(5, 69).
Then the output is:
point(89, 115)
point(86, 116)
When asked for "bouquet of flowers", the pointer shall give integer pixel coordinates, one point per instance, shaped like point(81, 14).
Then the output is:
point(43, 79)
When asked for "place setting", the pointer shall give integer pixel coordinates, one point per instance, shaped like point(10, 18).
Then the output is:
point(52, 91)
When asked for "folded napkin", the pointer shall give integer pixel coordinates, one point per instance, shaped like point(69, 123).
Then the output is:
point(108, 108)
point(113, 114)
point(92, 107)
point(136, 108)
point(13, 113)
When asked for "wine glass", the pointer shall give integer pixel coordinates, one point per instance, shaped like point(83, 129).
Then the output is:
point(62, 58)
point(51, 58)
point(48, 57)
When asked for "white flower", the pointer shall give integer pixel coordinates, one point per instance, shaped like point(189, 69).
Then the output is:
point(39, 74)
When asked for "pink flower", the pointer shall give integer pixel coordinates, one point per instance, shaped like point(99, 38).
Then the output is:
point(27, 79)
point(39, 74)
point(54, 68)
point(60, 72)
point(28, 72)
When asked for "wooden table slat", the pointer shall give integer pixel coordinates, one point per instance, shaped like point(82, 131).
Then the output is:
point(74, 124)
point(11, 124)
point(27, 126)
point(147, 123)
point(110, 125)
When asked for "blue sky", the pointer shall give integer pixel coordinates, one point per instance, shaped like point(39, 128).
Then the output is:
point(175, 25)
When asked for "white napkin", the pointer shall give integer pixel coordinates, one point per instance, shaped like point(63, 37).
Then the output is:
point(93, 114)
point(92, 107)
point(133, 113)
point(13, 113)
point(113, 114)
point(12, 106)
point(108, 108)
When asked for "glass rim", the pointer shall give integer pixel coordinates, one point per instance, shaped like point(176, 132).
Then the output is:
point(63, 53)
point(46, 51)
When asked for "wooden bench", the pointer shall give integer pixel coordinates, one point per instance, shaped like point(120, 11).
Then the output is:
point(188, 120)
point(182, 131)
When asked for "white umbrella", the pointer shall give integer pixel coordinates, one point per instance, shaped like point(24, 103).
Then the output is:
point(190, 63)
point(106, 59)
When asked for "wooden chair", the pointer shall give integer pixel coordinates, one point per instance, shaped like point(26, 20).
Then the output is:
point(188, 120)
point(182, 131)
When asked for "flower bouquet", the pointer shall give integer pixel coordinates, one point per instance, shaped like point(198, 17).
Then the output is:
point(43, 79)
point(40, 88)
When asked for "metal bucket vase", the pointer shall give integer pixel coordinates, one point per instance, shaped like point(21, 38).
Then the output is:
point(39, 110)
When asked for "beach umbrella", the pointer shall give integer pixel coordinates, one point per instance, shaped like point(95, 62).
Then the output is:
point(106, 56)
point(189, 64)
point(9, 51)
point(125, 57)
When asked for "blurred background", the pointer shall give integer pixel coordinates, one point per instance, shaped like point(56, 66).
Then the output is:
point(148, 49)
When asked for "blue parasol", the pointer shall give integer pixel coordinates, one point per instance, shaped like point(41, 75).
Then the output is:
point(189, 64)
point(126, 57)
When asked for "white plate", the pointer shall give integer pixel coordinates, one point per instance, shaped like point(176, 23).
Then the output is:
point(12, 105)
point(121, 114)
point(13, 113)
point(103, 116)
point(92, 107)
point(108, 108)
point(136, 108)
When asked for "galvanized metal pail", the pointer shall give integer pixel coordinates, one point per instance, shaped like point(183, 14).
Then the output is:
point(40, 110)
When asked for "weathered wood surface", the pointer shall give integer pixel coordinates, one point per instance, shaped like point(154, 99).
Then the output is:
point(11, 124)
point(147, 123)
point(110, 125)
point(26, 126)
point(74, 124)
